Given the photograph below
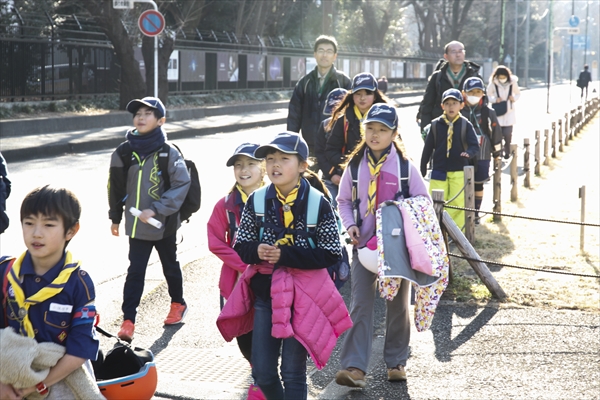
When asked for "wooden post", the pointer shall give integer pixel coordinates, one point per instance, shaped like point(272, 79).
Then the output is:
point(469, 172)
point(579, 120)
point(513, 173)
point(553, 140)
point(546, 160)
point(560, 135)
point(526, 180)
point(537, 153)
point(566, 129)
point(497, 188)
point(467, 250)
point(572, 124)
point(437, 195)
point(582, 227)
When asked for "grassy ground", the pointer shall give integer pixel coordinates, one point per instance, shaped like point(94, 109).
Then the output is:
point(543, 245)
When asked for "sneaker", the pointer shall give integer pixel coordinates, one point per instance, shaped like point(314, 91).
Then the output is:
point(176, 314)
point(477, 221)
point(396, 374)
point(254, 393)
point(126, 331)
point(352, 377)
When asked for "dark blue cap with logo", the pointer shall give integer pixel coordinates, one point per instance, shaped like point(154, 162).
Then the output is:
point(134, 105)
point(364, 80)
point(244, 149)
point(333, 99)
point(452, 94)
point(473, 83)
point(286, 142)
point(383, 113)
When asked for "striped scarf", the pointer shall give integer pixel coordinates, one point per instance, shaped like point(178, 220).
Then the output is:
point(360, 120)
point(450, 131)
point(374, 169)
point(288, 216)
point(57, 285)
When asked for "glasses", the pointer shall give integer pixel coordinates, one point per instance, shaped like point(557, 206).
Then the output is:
point(329, 52)
point(454, 52)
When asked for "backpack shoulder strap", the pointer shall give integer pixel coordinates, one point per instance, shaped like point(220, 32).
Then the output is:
point(355, 199)
point(403, 176)
point(312, 212)
point(233, 226)
point(345, 134)
point(433, 130)
point(463, 133)
point(258, 201)
point(11, 261)
point(163, 163)
point(124, 151)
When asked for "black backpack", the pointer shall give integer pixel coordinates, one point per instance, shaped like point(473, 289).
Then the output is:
point(463, 137)
point(191, 204)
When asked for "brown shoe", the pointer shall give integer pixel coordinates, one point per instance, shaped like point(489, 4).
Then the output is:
point(126, 331)
point(396, 374)
point(352, 377)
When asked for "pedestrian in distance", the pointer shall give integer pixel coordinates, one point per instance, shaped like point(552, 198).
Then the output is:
point(222, 227)
point(142, 186)
point(503, 91)
point(347, 129)
point(310, 94)
point(488, 131)
point(47, 296)
point(5, 188)
point(450, 73)
point(287, 266)
point(382, 83)
point(452, 141)
point(377, 161)
point(333, 99)
point(584, 80)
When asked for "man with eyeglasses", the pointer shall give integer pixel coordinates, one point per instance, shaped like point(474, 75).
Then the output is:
point(450, 73)
point(310, 94)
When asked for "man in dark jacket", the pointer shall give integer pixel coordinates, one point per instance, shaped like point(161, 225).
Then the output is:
point(450, 74)
point(584, 80)
point(310, 95)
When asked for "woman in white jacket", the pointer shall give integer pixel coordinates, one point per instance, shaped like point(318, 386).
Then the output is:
point(503, 87)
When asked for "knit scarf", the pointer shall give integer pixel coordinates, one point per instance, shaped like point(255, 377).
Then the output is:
point(374, 169)
point(148, 143)
point(360, 120)
point(456, 78)
point(288, 216)
point(450, 131)
point(57, 285)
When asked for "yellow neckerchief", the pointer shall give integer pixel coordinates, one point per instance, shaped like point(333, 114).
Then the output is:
point(288, 217)
point(450, 130)
point(243, 194)
point(374, 169)
point(57, 285)
point(360, 119)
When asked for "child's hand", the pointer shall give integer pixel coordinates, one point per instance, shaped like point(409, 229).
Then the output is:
point(7, 392)
point(335, 179)
point(27, 391)
point(354, 234)
point(268, 253)
point(464, 154)
point(146, 214)
point(114, 229)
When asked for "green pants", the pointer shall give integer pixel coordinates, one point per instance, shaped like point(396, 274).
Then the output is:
point(451, 186)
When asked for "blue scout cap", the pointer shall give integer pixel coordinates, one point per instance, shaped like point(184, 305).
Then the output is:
point(333, 99)
point(452, 94)
point(244, 149)
point(473, 83)
point(286, 142)
point(151, 102)
point(364, 80)
point(383, 113)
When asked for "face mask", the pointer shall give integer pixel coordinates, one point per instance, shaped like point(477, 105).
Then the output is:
point(503, 80)
point(473, 99)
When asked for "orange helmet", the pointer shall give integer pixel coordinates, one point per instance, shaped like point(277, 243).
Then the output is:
point(140, 386)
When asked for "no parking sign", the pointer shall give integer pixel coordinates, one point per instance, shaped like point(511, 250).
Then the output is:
point(151, 23)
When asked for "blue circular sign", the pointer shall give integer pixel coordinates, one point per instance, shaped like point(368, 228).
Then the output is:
point(151, 23)
point(574, 21)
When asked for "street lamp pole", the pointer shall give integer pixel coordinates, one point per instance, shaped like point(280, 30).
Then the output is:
point(516, 31)
point(587, 16)
point(526, 72)
point(571, 58)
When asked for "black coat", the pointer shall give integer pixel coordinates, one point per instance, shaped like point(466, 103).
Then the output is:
point(306, 105)
point(338, 141)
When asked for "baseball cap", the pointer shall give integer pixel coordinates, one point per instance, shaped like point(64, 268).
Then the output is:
point(149, 101)
point(452, 94)
point(473, 83)
point(384, 114)
point(244, 149)
point(364, 80)
point(286, 142)
point(333, 99)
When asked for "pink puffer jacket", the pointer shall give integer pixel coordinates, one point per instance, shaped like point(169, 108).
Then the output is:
point(306, 306)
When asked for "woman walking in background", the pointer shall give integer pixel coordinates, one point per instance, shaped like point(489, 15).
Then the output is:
point(503, 91)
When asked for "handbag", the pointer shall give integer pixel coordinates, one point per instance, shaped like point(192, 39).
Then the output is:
point(502, 107)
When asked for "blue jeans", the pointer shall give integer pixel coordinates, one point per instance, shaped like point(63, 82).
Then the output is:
point(333, 191)
point(265, 357)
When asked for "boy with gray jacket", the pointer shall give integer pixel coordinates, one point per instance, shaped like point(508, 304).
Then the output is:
point(136, 181)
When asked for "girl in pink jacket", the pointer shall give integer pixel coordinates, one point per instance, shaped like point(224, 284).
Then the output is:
point(249, 172)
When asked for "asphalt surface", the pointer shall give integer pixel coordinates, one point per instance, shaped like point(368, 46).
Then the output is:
point(470, 352)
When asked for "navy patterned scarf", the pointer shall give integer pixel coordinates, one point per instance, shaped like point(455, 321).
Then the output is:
point(148, 143)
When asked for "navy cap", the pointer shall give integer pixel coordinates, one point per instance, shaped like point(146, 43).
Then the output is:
point(473, 83)
point(333, 99)
point(149, 101)
point(364, 80)
point(286, 142)
point(452, 94)
point(244, 149)
point(383, 113)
